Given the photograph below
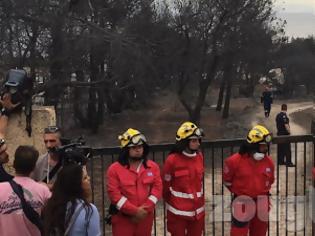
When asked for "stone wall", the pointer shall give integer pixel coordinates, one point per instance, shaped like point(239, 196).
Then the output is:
point(16, 134)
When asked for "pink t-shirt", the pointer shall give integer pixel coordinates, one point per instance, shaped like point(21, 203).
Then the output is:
point(13, 222)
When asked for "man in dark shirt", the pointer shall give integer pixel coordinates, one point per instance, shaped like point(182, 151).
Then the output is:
point(266, 99)
point(283, 128)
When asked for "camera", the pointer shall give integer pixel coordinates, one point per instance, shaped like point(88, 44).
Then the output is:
point(18, 84)
point(73, 151)
point(20, 88)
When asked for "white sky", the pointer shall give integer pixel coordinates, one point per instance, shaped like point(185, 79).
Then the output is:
point(295, 6)
point(300, 16)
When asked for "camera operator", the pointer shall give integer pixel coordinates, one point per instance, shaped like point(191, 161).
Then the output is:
point(49, 164)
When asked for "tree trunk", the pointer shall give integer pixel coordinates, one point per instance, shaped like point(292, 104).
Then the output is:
point(101, 99)
point(221, 93)
point(204, 84)
point(33, 41)
point(100, 106)
point(92, 113)
point(77, 96)
point(226, 108)
point(229, 73)
point(56, 66)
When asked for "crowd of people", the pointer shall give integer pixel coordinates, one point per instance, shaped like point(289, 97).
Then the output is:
point(48, 197)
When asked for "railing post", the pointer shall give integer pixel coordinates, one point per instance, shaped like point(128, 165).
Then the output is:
point(313, 126)
point(312, 198)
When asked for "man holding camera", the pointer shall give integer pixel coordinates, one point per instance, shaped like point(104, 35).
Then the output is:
point(49, 164)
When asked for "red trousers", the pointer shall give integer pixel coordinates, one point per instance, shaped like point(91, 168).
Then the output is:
point(123, 226)
point(177, 226)
point(250, 217)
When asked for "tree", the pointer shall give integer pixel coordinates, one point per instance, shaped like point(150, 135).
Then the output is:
point(297, 60)
point(209, 34)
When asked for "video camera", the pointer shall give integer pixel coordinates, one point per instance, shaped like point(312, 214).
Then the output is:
point(70, 152)
point(18, 84)
point(20, 88)
point(73, 151)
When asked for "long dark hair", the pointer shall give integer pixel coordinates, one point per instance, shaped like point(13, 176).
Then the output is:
point(67, 189)
point(124, 155)
point(180, 146)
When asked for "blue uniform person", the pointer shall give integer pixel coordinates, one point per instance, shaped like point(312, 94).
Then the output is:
point(266, 99)
point(283, 128)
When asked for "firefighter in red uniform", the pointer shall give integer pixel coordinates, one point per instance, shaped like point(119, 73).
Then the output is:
point(183, 183)
point(134, 186)
point(249, 175)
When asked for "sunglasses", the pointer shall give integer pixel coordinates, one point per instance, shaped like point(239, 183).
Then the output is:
point(51, 129)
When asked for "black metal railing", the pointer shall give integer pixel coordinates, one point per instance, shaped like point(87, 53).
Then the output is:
point(289, 213)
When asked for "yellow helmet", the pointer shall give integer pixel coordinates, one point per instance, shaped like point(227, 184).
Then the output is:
point(188, 130)
point(131, 137)
point(259, 134)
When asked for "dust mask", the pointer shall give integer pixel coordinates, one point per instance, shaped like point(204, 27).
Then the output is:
point(258, 156)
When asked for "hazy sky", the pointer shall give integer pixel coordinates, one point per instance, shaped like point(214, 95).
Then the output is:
point(300, 16)
point(294, 6)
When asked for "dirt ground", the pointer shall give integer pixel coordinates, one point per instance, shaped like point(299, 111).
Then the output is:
point(161, 119)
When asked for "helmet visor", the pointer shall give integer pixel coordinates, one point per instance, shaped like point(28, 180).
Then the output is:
point(199, 132)
point(137, 140)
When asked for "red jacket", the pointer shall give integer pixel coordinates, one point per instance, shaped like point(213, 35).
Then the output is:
point(183, 185)
point(128, 189)
point(243, 175)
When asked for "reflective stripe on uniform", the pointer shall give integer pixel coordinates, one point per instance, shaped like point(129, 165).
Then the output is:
point(184, 213)
point(121, 202)
point(227, 184)
point(185, 195)
point(153, 199)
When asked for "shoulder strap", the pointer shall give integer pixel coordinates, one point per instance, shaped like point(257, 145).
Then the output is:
point(73, 218)
point(52, 172)
point(28, 210)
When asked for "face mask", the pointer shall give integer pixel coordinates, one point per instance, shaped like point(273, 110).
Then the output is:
point(258, 156)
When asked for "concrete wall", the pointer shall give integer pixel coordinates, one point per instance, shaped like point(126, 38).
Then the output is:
point(16, 135)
